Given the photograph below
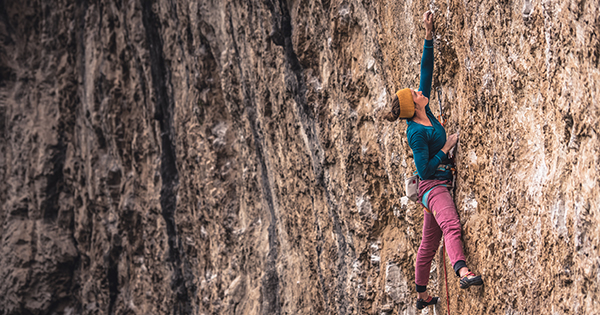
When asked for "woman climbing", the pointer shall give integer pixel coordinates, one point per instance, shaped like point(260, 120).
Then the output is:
point(427, 139)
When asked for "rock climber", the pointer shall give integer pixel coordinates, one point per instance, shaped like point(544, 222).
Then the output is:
point(427, 139)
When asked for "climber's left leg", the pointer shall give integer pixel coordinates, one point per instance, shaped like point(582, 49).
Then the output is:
point(442, 206)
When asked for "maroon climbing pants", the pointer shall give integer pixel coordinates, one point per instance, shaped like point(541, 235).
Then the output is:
point(439, 219)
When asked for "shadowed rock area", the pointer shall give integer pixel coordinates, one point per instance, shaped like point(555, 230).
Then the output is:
point(229, 157)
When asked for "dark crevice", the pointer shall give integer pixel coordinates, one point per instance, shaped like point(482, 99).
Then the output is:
point(270, 281)
point(83, 7)
point(112, 273)
point(5, 19)
point(168, 167)
point(187, 270)
point(283, 31)
point(54, 181)
point(271, 278)
point(64, 276)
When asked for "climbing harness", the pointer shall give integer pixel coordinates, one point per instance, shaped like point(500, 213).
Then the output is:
point(411, 184)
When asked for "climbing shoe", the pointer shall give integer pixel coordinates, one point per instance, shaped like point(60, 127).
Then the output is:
point(470, 279)
point(430, 301)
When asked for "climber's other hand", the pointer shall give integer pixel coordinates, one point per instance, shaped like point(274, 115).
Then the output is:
point(450, 143)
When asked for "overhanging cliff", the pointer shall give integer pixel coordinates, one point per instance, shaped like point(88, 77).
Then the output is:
point(229, 157)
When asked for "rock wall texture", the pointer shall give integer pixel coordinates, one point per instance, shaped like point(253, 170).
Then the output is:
point(229, 157)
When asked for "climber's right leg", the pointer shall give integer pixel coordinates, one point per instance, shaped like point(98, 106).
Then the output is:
point(429, 245)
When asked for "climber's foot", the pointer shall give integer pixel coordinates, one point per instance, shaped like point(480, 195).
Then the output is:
point(470, 279)
point(429, 301)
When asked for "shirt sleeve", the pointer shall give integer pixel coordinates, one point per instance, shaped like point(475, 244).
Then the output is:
point(426, 69)
point(425, 167)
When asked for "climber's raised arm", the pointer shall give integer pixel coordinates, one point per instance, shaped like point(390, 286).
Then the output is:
point(403, 103)
point(427, 58)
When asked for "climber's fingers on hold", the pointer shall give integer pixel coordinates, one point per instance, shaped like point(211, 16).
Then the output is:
point(428, 19)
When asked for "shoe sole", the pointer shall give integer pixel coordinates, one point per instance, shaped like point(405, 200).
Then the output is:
point(422, 306)
point(471, 282)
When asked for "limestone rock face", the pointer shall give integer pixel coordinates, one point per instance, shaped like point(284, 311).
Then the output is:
point(229, 157)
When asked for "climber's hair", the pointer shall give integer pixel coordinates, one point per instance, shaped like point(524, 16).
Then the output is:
point(395, 112)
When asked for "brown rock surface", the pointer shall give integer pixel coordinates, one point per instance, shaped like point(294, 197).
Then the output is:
point(228, 157)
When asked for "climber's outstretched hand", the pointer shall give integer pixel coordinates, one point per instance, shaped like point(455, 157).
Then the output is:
point(428, 23)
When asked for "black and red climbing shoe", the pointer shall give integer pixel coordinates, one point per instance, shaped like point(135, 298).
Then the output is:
point(430, 301)
point(470, 279)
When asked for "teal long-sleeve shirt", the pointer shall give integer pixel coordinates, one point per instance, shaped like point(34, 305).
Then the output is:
point(427, 142)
